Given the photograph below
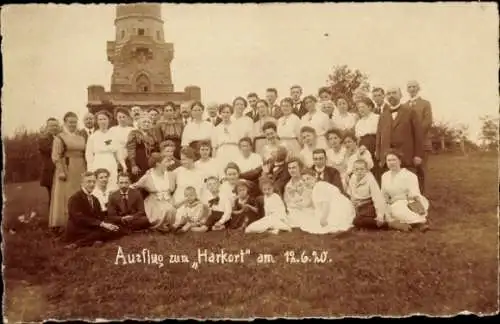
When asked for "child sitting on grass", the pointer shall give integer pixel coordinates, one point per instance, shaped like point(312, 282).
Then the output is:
point(219, 205)
point(245, 208)
point(274, 219)
point(192, 214)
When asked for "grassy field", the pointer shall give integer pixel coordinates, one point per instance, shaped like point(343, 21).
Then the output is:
point(452, 268)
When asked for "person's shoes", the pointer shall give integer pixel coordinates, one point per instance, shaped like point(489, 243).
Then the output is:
point(399, 226)
point(422, 227)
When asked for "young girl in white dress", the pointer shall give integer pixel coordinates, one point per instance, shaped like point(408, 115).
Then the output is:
point(289, 127)
point(333, 212)
point(316, 119)
point(187, 175)
point(275, 216)
point(102, 150)
point(406, 204)
point(343, 119)
point(120, 133)
point(335, 154)
point(225, 138)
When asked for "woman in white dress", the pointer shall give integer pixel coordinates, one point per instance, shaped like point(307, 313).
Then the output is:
point(159, 183)
point(400, 188)
point(367, 124)
point(343, 119)
point(225, 138)
point(263, 117)
point(231, 176)
point(196, 129)
point(297, 196)
point(316, 119)
point(187, 175)
point(101, 190)
point(247, 160)
point(309, 138)
point(272, 142)
point(120, 133)
point(102, 150)
point(335, 154)
point(206, 164)
point(242, 122)
point(289, 127)
point(333, 212)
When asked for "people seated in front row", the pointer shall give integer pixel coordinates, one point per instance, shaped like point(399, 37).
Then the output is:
point(246, 209)
point(86, 224)
point(192, 215)
point(101, 190)
point(275, 216)
point(324, 172)
point(220, 206)
point(126, 207)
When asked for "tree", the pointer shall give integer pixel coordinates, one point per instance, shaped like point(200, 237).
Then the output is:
point(489, 132)
point(344, 81)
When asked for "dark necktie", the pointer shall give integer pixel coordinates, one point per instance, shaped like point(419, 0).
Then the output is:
point(393, 111)
point(91, 201)
point(124, 200)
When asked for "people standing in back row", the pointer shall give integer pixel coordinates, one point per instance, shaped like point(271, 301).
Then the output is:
point(45, 142)
point(378, 96)
point(298, 106)
point(423, 110)
point(272, 100)
point(400, 129)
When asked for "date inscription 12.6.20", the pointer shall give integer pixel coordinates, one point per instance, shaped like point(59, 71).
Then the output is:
point(304, 257)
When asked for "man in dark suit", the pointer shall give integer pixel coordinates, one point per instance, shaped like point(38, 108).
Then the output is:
point(86, 223)
point(126, 207)
point(88, 126)
point(298, 106)
point(276, 169)
point(324, 172)
point(400, 129)
point(251, 110)
point(45, 148)
point(378, 97)
point(274, 108)
point(424, 112)
point(213, 116)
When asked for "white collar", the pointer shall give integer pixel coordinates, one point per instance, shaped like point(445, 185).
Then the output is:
point(320, 170)
point(415, 98)
point(395, 107)
point(85, 191)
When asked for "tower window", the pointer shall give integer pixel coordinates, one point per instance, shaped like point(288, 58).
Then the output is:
point(158, 35)
point(140, 32)
point(122, 34)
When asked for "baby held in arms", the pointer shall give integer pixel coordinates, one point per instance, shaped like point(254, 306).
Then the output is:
point(192, 215)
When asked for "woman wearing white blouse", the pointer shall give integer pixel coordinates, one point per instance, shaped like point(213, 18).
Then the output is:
point(243, 123)
point(101, 150)
point(247, 160)
point(120, 133)
point(197, 129)
point(343, 119)
point(336, 153)
point(206, 164)
point(101, 190)
point(316, 119)
point(225, 138)
point(402, 194)
point(187, 175)
point(309, 139)
point(289, 126)
point(263, 117)
point(366, 126)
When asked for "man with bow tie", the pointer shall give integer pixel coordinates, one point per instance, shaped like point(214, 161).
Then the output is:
point(86, 223)
point(251, 110)
point(324, 172)
point(400, 129)
point(298, 106)
point(126, 207)
point(424, 112)
point(378, 98)
point(88, 126)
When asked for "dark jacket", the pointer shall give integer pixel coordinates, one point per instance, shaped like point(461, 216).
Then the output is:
point(47, 166)
point(83, 218)
point(117, 208)
point(332, 176)
point(279, 175)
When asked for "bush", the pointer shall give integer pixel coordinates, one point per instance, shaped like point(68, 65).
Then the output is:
point(22, 161)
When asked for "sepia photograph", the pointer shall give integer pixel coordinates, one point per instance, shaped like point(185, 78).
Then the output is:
point(244, 161)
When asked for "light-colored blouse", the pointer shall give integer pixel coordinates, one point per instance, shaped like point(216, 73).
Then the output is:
point(402, 185)
point(99, 143)
point(225, 134)
point(366, 155)
point(159, 186)
point(364, 189)
point(188, 178)
point(253, 161)
point(244, 125)
point(306, 155)
point(102, 196)
point(297, 195)
point(196, 131)
point(336, 159)
point(367, 125)
point(120, 135)
point(318, 120)
point(289, 126)
point(208, 168)
point(257, 126)
point(344, 122)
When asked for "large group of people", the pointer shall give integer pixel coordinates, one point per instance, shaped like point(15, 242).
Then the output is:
point(318, 164)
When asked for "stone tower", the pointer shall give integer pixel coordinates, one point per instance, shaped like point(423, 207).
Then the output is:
point(141, 63)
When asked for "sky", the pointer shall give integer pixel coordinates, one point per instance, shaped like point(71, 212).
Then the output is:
point(51, 53)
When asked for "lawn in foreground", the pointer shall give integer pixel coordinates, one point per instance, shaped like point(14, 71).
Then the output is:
point(449, 269)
